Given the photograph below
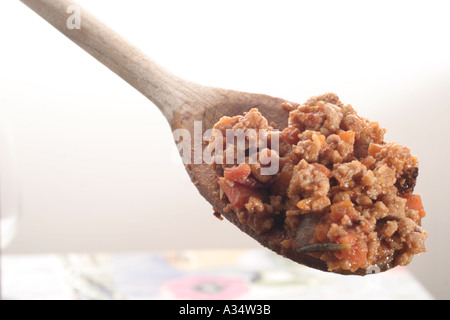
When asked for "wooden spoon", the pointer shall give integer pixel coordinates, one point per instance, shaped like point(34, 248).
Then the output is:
point(181, 102)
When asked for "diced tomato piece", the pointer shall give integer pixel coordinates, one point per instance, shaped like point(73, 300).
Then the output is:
point(290, 135)
point(236, 193)
point(414, 202)
point(239, 173)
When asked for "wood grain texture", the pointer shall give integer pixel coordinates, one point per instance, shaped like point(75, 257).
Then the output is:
point(181, 102)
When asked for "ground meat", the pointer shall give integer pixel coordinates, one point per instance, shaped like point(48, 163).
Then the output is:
point(323, 117)
point(336, 166)
point(307, 181)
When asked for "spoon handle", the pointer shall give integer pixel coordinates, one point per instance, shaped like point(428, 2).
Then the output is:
point(165, 90)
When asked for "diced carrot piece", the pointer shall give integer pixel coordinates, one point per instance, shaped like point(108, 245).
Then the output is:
point(290, 135)
point(357, 254)
point(414, 202)
point(347, 136)
point(319, 139)
point(374, 149)
point(305, 205)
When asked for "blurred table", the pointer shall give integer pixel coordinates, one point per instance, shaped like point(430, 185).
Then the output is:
point(192, 274)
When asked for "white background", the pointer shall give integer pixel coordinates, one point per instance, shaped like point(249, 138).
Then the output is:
point(98, 171)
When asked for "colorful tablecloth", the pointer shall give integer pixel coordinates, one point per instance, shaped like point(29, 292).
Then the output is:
point(195, 274)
